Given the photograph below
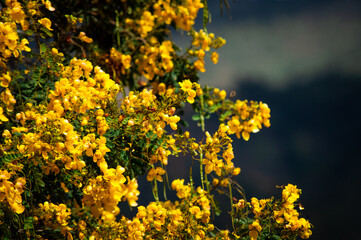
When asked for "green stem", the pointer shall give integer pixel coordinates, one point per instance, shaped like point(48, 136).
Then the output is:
point(201, 167)
point(190, 175)
point(165, 178)
point(117, 27)
point(202, 113)
point(231, 198)
point(155, 190)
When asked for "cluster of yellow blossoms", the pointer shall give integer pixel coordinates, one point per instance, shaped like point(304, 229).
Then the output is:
point(143, 25)
point(171, 220)
point(7, 99)
point(283, 212)
point(242, 117)
point(203, 42)
point(191, 89)
point(289, 215)
point(11, 15)
point(10, 44)
point(78, 90)
point(103, 193)
point(212, 148)
point(47, 138)
point(11, 191)
point(121, 60)
point(69, 157)
point(156, 58)
point(54, 216)
point(249, 119)
point(165, 12)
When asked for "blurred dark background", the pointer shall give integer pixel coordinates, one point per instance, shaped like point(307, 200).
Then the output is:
point(302, 58)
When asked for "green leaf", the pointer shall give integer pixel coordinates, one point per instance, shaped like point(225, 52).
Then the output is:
point(224, 116)
point(196, 117)
point(275, 237)
point(43, 48)
point(28, 223)
point(29, 32)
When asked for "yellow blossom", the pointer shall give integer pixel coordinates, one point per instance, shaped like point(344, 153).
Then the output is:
point(5, 80)
point(254, 229)
point(85, 38)
point(214, 57)
point(2, 116)
point(156, 173)
point(46, 23)
point(187, 86)
point(48, 6)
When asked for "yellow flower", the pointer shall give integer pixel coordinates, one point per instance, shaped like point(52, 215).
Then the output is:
point(17, 12)
point(183, 191)
point(291, 193)
point(2, 116)
point(173, 122)
point(215, 57)
point(255, 229)
point(5, 79)
point(186, 86)
point(236, 171)
point(215, 182)
point(162, 89)
point(222, 94)
point(4, 175)
point(84, 38)
point(48, 6)
point(156, 173)
point(199, 64)
point(126, 61)
point(46, 23)
point(196, 211)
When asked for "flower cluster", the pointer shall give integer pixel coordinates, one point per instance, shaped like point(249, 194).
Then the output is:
point(190, 215)
point(212, 149)
point(152, 55)
point(103, 193)
point(10, 43)
point(11, 191)
point(51, 138)
point(119, 59)
point(273, 217)
point(54, 216)
point(143, 25)
point(78, 127)
point(191, 89)
point(79, 91)
point(166, 12)
point(156, 58)
point(183, 15)
point(203, 42)
point(242, 117)
point(289, 216)
point(8, 100)
point(249, 119)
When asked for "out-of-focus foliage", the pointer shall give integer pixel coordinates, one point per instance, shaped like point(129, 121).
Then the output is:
point(90, 99)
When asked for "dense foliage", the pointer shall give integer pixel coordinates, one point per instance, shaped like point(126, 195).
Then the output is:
point(91, 97)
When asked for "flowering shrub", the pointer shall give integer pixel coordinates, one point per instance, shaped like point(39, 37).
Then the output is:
point(91, 98)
